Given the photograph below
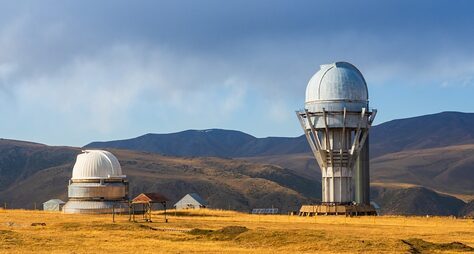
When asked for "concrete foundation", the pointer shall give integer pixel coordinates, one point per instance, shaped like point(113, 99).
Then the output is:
point(95, 196)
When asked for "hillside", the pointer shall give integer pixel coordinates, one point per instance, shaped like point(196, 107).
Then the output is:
point(447, 169)
point(228, 184)
point(303, 164)
point(415, 201)
point(468, 210)
point(44, 173)
point(20, 160)
point(428, 131)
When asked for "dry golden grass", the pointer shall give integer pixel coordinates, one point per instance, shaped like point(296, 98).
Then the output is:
point(231, 232)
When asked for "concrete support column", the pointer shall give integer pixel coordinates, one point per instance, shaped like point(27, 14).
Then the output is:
point(362, 176)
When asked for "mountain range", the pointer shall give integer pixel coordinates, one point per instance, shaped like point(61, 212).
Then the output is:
point(428, 131)
point(211, 142)
point(34, 173)
point(420, 165)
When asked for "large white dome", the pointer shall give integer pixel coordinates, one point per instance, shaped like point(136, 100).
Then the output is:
point(96, 164)
point(337, 85)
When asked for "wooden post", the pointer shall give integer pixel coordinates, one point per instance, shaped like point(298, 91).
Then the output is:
point(133, 212)
point(164, 205)
point(113, 213)
point(149, 212)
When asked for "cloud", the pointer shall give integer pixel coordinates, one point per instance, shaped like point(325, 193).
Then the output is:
point(100, 89)
point(119, 69)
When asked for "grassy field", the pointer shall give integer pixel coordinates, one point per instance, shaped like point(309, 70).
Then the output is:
point(210, 231)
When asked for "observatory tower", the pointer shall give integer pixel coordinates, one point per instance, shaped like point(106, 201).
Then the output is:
point(97, 184)
point(336, 121)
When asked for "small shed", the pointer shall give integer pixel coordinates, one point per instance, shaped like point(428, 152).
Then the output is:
point(53, 205)
point(147, 200)
point(191, 201)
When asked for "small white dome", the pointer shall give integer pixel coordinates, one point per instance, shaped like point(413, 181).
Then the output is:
point(96, 164)
point(339, 83)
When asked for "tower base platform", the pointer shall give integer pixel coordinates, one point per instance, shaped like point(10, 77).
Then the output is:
point(337, 209)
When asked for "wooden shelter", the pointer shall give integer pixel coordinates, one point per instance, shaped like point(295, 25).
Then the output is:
point(147, 200)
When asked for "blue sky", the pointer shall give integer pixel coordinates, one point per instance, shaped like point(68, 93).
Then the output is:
point(72, 72)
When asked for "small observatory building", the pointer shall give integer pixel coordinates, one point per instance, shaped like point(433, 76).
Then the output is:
point(97, 184)
point(336, 120)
